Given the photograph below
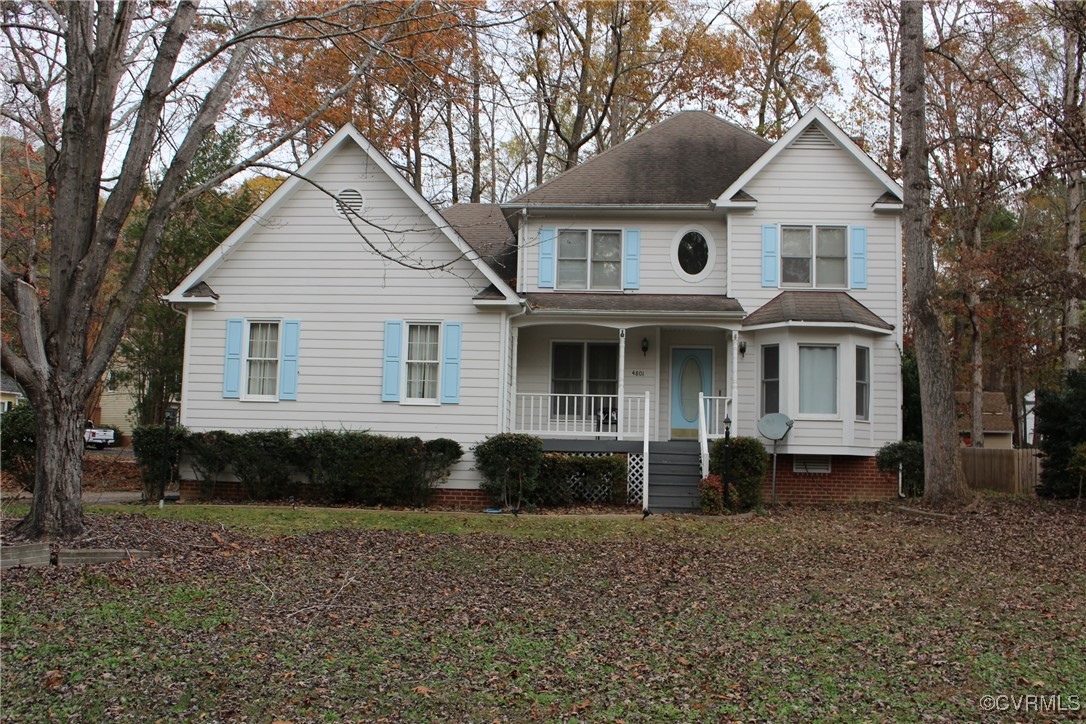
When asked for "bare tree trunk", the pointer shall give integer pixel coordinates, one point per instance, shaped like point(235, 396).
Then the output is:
point(57, 508)
point(476, 193)
point(943, 480)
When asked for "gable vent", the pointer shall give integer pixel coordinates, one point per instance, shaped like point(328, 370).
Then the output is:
point(349, 200)
point(811, 464)
point(813, 137)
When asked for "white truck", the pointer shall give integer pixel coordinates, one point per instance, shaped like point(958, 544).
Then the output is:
point(98, 437)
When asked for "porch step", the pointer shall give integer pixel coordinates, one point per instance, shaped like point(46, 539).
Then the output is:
point(674, 471)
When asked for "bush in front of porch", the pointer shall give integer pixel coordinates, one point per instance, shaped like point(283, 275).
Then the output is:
point(748, 461)
point(509, 463)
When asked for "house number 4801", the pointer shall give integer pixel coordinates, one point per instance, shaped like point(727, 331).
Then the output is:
point(637, 373)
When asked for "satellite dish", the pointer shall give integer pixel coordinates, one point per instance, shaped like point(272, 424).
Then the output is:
point(775, 426)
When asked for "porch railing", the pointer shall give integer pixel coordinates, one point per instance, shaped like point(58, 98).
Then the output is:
point(592, 416)
point(713, 411)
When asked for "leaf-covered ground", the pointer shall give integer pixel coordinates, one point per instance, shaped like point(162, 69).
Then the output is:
point(859, 613)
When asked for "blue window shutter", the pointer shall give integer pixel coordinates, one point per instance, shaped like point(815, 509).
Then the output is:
point(631, 269)
point(547, 238)
point(859, 257)
point(450, 364)
point(231, 376)
point(288, 365)
point(390, 386)
point(771, 263)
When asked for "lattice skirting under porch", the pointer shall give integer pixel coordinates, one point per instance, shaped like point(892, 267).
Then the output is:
point(635, 480)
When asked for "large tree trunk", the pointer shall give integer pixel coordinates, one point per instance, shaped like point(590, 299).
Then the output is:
point(57, 508)
point(1074, 105)
point(943, 481)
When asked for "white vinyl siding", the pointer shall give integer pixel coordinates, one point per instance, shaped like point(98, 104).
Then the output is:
point(656, 254)
point(343, 294)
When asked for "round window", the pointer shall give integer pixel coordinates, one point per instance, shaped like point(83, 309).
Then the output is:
point(693, 253)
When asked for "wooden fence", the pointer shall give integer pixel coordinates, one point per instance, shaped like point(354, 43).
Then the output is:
point(1007, 471)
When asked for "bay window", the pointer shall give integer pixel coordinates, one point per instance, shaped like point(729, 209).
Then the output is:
point(817, 380)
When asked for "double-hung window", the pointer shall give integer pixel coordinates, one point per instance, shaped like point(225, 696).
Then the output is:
point(262, 361)
point(817, 380)
point(771, 378)
point(422, 362)
point(863, 383)
point(814, 256)
point(589, 259)
point(579, 368)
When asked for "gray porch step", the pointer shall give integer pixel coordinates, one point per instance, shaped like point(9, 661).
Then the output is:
point(674, 471)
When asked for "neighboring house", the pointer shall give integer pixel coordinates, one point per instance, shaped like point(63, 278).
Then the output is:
point(997, 423)
point(115, 406)
point(10, 392)
point(693, 260)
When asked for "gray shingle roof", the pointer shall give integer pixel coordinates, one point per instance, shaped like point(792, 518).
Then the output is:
point(10, 386)
point(812, 306)
point(486, 231)
point(201, 290)
point(648, 303)
point(690, 158)
point(997, 414)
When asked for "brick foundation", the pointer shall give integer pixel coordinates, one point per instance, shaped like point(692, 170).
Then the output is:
point(190, 490)
point(851, 479)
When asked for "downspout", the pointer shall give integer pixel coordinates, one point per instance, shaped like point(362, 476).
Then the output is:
point(512, 343)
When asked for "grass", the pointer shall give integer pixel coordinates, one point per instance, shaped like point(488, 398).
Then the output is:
point(313, 614)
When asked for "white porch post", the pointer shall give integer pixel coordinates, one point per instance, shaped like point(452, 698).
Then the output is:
point(735, 383)
point(621, 378)
point(515, 352)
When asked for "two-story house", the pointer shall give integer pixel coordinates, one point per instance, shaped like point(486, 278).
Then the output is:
point(693, 277)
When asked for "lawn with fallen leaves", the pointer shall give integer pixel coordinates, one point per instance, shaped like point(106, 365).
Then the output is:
point(859, 613)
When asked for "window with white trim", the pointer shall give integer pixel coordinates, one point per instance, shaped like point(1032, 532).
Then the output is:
point(422, 362)
point(817, 380)
point(814, 256)
point(771, 378)
point(262, 360)
point(579, 368)
point(863, 383)
point(589, 259)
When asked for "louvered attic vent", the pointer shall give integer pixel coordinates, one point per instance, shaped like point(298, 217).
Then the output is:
point(813, 137)
point(349, 200)
point(811, 464)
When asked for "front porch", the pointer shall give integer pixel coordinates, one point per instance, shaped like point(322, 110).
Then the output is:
point(660, 394)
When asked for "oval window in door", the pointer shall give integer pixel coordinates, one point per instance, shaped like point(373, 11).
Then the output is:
point(689, 387)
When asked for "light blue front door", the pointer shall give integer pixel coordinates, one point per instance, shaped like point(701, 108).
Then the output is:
point(691, 373)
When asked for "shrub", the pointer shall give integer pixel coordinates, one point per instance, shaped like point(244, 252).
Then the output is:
point(158, 450)
point(209, 454)
point(1078, 468)
point(439, 456)
point(510, 465)
point(1061, 424)
point(17, 433)
point(360, 467)
point(711, 494)
point(748, 464)
point(569, 479)
point(909, 454)
point(263, 461)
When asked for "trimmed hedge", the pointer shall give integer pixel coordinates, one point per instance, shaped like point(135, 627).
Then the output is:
point(749, 461)
point(150, 443)
point(566, 479)
point(510, 464)
point(334, 466)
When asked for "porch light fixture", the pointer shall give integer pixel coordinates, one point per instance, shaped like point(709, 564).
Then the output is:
point(645, 346)
point(743, 349)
